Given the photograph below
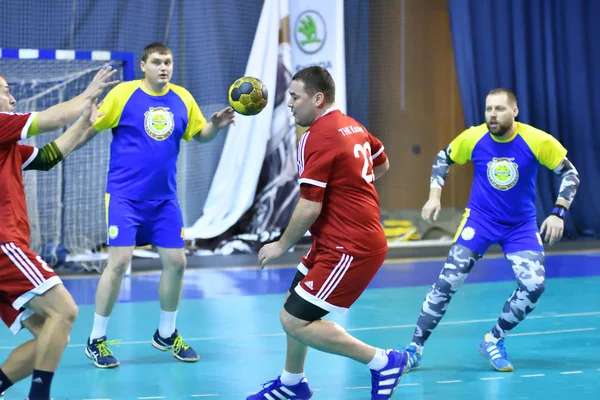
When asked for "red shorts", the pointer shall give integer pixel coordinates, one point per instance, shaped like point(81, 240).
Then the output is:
point(23, 275)
point(334, 280)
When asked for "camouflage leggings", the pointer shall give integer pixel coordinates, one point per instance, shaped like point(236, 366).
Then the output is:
point(528, 267)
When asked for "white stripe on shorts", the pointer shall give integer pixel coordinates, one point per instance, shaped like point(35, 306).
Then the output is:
point(335, 277)
point(23, 263)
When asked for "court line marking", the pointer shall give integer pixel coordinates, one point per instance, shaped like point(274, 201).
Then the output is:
point(372, 328)
point(395, 260)
point(553, 332)
point(369, 387)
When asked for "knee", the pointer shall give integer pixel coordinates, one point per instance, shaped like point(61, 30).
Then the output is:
point(118, 266)
point(66, 312)
point(178, 264)
point(70, 312)
point(291, 325)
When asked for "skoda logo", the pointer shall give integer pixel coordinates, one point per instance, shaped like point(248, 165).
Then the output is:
point(310, 32)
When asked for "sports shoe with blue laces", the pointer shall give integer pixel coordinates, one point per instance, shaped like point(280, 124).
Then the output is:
point(275, 390)
point(385, 380)
point(495, 353)
point(414, 357)
point(98, 351)
point(176, 346)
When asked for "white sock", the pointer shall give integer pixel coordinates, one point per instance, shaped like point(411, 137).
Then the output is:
point(99, 328)
point(166, 327)
point(289, 379)
point(379, 361)
point(490, 338)
point(419, 348)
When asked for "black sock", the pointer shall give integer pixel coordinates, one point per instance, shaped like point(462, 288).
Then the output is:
point(40, 385)
point(5, 383)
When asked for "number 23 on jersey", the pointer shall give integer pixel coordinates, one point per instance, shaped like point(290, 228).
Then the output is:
point(364, 150)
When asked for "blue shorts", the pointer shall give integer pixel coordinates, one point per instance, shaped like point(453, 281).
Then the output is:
point(476, 232)
point(143, 222)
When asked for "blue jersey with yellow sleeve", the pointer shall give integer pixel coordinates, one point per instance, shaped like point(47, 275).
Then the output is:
point(506, 170)
point(147, 130)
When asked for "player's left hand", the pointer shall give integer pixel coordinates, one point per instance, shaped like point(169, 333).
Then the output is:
point(222, 119)
point(101, 81)
point(268, 252)
point(552, 229)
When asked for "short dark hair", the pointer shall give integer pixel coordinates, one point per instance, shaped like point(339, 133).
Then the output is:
point(317, 79)
point(512, 97)
point(155, 47)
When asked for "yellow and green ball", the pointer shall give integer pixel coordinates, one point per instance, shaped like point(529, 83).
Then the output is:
point(248, 95)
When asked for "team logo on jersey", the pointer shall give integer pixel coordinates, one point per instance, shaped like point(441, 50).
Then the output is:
point(503, 173)
point(113, 231)
point(159, 123)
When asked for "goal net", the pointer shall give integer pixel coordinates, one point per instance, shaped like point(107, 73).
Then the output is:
point(65, 204)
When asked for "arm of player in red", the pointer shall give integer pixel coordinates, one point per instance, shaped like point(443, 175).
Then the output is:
point(381, 164)
point(54, 152)
point(305, 214)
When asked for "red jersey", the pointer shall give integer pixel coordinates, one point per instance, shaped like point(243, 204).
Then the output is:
point(14, 223)
point(337, 154)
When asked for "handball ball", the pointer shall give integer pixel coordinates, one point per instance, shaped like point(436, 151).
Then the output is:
point(248, 95)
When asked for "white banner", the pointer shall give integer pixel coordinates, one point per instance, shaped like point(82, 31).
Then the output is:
point(260, 146)
point(317, 36)
point(233, 187)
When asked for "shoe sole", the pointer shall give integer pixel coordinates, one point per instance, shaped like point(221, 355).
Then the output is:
point(505, 369)
point(91, 357)
point(407, 369)
point(160, 347)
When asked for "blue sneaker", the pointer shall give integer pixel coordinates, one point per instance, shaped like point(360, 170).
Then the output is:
point(385, 380)
point(495, 353)
point(275, 390)
point(414, 356)
point(176, 346)
point(97, 350)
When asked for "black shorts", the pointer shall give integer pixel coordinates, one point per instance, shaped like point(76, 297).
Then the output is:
point(300, 308)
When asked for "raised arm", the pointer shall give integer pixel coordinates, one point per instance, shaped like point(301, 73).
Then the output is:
point(62, 114)
point(75, 137)
point(219, 120)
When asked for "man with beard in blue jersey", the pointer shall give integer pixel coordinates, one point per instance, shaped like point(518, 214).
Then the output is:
point(506, 156)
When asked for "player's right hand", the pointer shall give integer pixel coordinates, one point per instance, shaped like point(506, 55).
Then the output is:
point(100, 82)
point(90, 112)
point(431, 209)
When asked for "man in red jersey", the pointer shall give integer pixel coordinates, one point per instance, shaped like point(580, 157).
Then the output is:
point(338, 161)
point(31, 295)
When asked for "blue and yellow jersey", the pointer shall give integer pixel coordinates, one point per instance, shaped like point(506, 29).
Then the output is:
point(506, 170)
point(147, 130)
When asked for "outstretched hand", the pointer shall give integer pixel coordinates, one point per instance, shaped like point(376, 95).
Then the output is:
point(90, 112)
point(222, 119)
point(100, 82)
